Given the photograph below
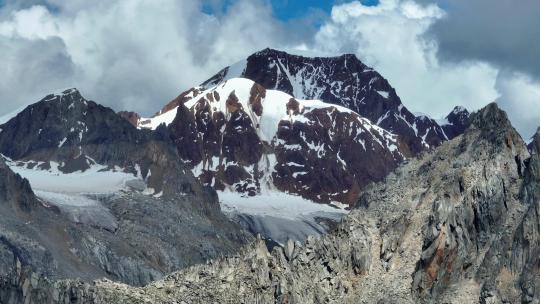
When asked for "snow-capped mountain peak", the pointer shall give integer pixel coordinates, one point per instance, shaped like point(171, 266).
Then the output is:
point(455, 122)
point(342, 80)
point(239, 136)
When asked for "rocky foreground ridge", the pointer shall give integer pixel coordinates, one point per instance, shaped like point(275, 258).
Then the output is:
point(459, 225)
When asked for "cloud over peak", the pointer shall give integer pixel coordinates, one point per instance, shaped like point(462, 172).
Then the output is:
point(137, 55)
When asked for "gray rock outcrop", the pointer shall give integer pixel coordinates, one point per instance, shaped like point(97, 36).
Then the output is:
point(459, 225)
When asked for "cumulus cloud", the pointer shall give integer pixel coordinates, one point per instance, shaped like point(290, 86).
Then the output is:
point(128, 54)
point(30, 64)
point(136, 55)
point(390, 38)
point(520, 98)
point(502, 32)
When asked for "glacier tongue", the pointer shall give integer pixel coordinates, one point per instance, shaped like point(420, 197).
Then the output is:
point(280, 216)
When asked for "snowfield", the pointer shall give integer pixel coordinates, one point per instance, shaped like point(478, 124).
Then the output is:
point(91, 181)
point(273, 203)
point(273, 214)
point(80, 194)
point(279, 216)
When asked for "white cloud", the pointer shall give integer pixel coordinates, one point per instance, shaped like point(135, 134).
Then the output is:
point(520, 98)
point(389, 37)
point(132, 54)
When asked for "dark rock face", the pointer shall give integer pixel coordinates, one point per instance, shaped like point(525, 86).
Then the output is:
point(342, 80)
point(459, 225)
point(334, 156)
point(62, 120)
point(148, 237)
point(325, 154)
point(15, 190)
point(204, 136)
point(457, 122)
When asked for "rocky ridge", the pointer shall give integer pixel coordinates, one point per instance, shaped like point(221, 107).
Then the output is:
point(459, 225)
point(342, 80)
point(132, 235)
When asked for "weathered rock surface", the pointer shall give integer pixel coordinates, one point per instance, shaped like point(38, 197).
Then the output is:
point(459, 225)
point(132, 117)
point(149, 235)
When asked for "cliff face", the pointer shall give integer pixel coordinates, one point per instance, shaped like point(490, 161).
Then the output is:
point(126, 233)
point(344, 81)
point(459, 225)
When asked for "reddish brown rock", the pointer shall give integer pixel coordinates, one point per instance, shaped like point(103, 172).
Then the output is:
point(185, 96)
point(334, 156)
point(293, 107)
point(257, 94)
point(232, 103)
point(132, 117)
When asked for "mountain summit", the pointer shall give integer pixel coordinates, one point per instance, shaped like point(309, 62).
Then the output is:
point(319, 127)
point(343, 80)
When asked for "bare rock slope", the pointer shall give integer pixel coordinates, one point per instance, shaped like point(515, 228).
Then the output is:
point(459, 225)
point(127, 235)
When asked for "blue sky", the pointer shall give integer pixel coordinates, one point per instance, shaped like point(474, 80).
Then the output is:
point(291, 9)
point(286, 10)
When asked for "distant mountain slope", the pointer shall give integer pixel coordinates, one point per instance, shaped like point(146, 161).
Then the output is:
point(342, 80)
point(343, 165)
point(107, 199)
point(239, 136)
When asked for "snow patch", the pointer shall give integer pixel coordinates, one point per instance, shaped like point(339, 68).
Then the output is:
point(93, 180)
point(62, 142)
point(384, 94)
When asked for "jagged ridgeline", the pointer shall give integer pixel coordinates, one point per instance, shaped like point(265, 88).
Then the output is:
point(457, 225)
point(74, 222)
point(321, 128)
